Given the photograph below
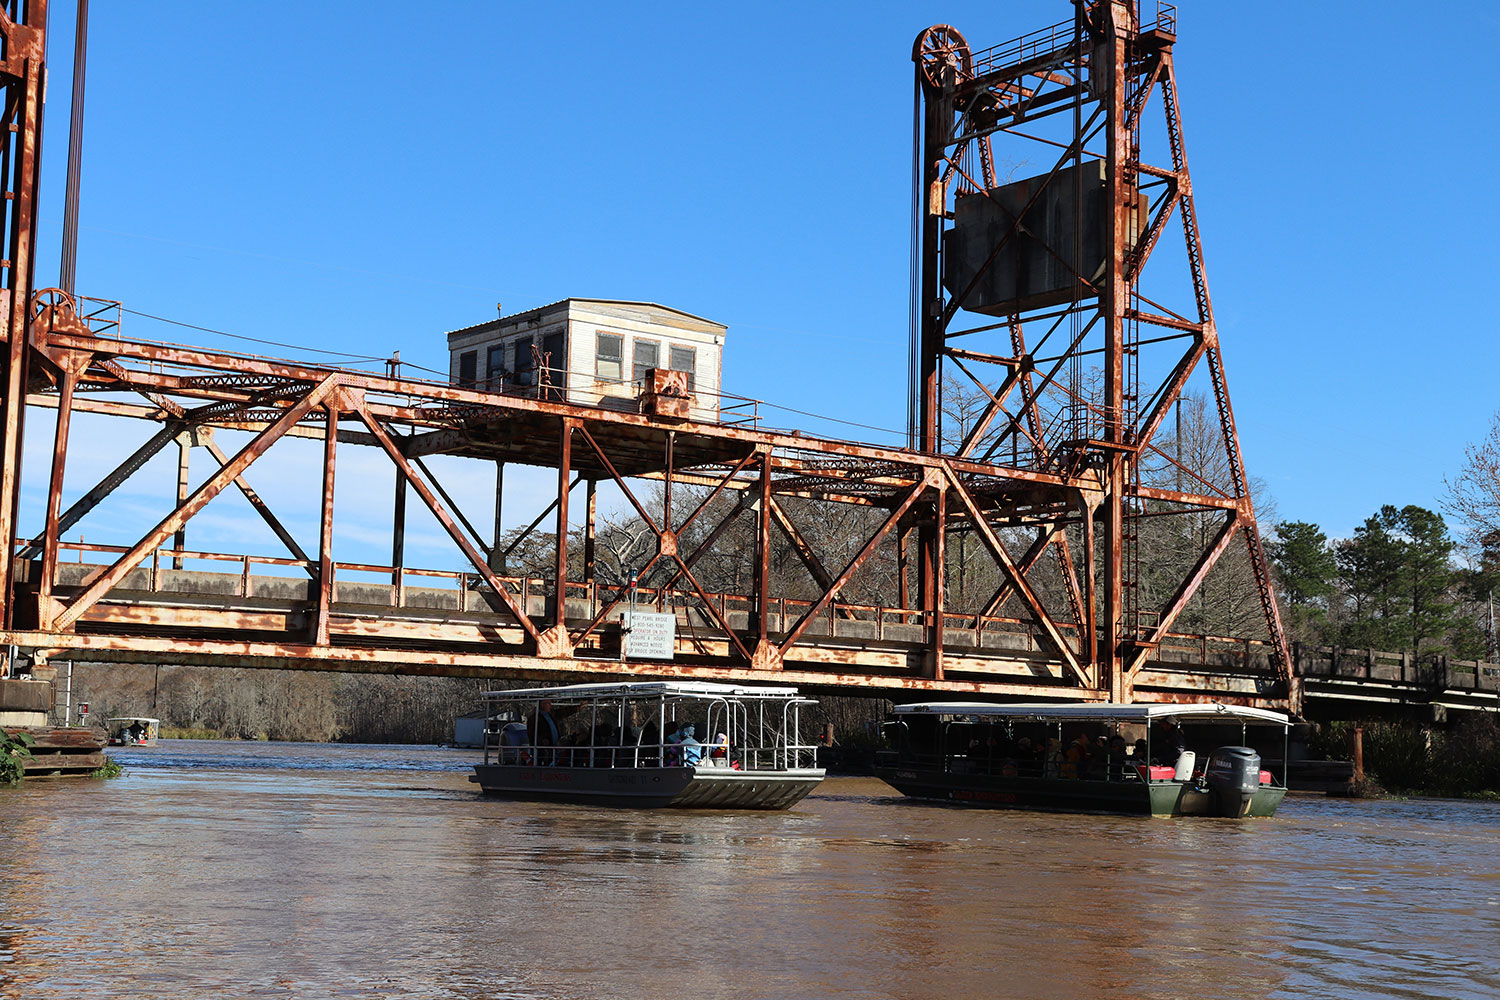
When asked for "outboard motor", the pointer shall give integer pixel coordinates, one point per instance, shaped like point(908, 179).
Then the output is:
point(1233, 778)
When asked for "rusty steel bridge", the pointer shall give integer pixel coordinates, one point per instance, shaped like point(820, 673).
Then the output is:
point(1057, 477)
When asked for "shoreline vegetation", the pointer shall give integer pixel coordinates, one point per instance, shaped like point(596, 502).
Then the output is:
point(1461, 761)
point(224, 703)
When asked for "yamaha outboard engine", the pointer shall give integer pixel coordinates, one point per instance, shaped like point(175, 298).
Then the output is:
point(1233, 777)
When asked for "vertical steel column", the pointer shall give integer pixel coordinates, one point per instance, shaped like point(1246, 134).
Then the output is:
point(54, 497)
point(1088, 640)
point(497, 552)
point(25, 48)
point(938, 123)
point(325, 527)
point(763, 555)
point(398, 542)
point(939, 566)
point(564, 477)
point(184, 457)
point(67, 273)
point(591, 515)
point(903, 587)
point(666, 514)
point(1113, 302)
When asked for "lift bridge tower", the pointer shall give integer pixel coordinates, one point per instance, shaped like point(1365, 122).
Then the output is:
point(1060, 330)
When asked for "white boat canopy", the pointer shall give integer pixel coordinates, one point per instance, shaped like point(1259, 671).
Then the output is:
point(1082, 712)
point(135, 718)
point(642, 689)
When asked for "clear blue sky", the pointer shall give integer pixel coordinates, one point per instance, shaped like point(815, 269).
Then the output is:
point(363, 177)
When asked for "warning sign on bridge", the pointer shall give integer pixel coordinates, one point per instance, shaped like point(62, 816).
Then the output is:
point(648, 635)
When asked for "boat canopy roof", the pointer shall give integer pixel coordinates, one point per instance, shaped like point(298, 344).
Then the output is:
point(1083, 712)
point(642, 689)
point(135, 718)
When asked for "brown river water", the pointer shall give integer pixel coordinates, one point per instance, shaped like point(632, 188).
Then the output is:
point(300, 870)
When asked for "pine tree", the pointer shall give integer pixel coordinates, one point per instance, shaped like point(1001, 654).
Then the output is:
point(1397, 575)
point(1304, 562)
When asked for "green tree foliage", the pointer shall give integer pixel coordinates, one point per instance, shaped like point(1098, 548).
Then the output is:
point(1307, 574)
point(15, 751)
point(1304, 562)
point(1398, 579)
point(1462, 759)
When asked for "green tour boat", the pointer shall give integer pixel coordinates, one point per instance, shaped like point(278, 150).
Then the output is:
point(1156, 760)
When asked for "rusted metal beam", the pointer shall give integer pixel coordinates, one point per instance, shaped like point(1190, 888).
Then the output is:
point(398, 539)
point(842, 580)
point(762, 583)
point(102, 584)
point(279, 655)
point(564, 489)
point(803, 549)
point(498, 595)
point(184, 490)
point(260, 506)
point(325, 529)
point(936, 621)
point(1185, 591)
point(45, 612)
point(1019, 581)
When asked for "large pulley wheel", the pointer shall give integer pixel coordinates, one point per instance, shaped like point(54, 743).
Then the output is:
point(938, 48)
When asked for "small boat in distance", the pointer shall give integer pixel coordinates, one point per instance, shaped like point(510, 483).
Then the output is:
point(133, 731)
point(1142, 759)
point(637, 744)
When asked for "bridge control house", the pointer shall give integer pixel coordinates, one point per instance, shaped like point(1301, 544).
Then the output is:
point(634, 357)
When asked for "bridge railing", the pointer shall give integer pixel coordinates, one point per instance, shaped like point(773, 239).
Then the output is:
point(1431, 670)
point(418, 588)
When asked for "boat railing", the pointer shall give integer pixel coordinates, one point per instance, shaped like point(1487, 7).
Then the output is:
point(777, 756)
point(1012, 766)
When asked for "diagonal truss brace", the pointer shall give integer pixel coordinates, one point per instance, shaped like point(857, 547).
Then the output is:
point(1017, 579)
point(498, 595)
point(257, 446)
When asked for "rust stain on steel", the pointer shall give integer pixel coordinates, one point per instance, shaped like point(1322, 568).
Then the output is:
point(194, 503)
point(1060, 484)
point(1104, 69)
point(480, 564)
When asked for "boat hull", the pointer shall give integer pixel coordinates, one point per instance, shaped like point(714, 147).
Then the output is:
point(1142, 798)
point(650, 787)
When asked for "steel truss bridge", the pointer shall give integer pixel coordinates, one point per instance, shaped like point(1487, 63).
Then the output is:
point(1047, 461)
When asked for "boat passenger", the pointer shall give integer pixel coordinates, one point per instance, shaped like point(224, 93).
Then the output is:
point(1170, 743)
point(1052, 758)
point(671, 756)
point(1076, 757)
point(544, 733)
point(1025, 760)
point(692, 750)
point(1116, 756)
point(650, 744)
point(720, 748)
